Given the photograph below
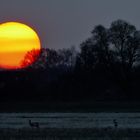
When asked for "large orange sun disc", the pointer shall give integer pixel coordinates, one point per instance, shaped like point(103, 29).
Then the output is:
point(19, 45)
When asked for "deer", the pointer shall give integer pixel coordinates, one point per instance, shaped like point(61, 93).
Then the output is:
point(33, 124)
point(115, 123)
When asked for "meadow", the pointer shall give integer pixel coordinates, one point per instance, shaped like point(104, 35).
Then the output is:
point(70, 120)
point(70, 134)
point(70, 126)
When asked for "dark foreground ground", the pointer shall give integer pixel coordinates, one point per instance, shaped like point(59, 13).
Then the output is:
point(70, 134)
point(79, 106)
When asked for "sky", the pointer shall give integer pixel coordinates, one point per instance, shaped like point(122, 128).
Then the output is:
point(64, 23)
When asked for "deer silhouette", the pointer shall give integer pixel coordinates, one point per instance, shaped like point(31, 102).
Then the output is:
point(33, 124)
point(115, 123)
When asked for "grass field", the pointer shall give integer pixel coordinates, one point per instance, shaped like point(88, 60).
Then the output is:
point(70, 134)
point(48, 133)
point(70, 120)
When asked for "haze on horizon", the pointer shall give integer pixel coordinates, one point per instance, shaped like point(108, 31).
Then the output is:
point(63, 23)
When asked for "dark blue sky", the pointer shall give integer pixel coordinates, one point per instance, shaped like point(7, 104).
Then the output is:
point(63, 23)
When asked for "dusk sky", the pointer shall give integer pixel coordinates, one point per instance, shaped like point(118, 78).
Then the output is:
point(63, 23)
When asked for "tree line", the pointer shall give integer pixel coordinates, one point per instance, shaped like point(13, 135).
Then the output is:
point(107, 67)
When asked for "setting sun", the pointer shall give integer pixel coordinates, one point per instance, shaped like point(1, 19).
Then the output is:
point(17, 40)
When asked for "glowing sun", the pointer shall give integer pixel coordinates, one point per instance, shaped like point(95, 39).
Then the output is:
point(19, 45)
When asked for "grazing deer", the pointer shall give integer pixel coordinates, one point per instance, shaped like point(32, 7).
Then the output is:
point(115, 123)
point(33, 124)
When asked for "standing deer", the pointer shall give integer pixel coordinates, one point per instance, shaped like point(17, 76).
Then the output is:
point(115, 123)
point(33, 124)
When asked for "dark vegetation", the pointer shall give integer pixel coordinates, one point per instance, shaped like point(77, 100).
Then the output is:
point(107, 68)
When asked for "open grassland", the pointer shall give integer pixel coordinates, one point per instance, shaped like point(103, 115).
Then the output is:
point(70, 134)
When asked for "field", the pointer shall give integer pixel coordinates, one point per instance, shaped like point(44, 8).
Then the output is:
point(70, 120)
point(70, 126)
point(70, 134)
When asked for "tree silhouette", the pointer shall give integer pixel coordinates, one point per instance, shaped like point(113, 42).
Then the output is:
point(51, 58)
point(101, 37)
point(133, 49)
point(40, 63)
point(107, 68)
point(118, 44)
point(125, 40)
point(67, 57)
point(95, 51)
point(30, 58)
